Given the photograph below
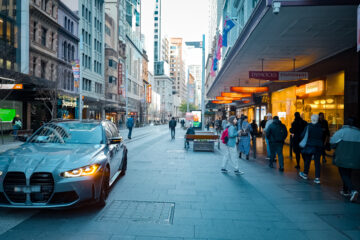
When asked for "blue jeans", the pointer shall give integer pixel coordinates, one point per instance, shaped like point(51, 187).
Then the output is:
point(130, 131)
point(268, 148)
point(172, 133)
point(277, 148)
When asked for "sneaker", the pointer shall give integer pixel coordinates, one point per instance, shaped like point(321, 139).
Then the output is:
point(303, 175)
point(281, 169)
point(345, 194)
point(317, 180)
point(237, 172)
point(354, 196)
point(223, 170)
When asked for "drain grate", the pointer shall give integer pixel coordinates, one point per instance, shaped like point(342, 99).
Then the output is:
point(139, 211)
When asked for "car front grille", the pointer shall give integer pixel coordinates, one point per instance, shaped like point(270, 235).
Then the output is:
point(64, 197)
point(12, 180)
point(46, 183)
point(3, 199)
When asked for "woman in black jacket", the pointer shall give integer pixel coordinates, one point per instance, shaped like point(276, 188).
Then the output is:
point(313, 147)
point(297, 128)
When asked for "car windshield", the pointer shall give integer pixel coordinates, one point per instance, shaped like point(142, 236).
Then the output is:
point(69, 133)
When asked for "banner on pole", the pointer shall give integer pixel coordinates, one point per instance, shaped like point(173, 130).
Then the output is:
point(76, 72)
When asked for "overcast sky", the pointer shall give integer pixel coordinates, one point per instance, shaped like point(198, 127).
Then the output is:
point(187, 19)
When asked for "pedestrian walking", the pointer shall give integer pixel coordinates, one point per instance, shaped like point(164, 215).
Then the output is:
point(312, 145)
point(263, 124)
point(182, 123)
point(255, 129)
point(346, 142)
point(244, 134)
point(276, 134)
point(297, 128)
point(17, 125)
point(208, 125)
point(172, 126)
point(130, 125)
point(224, 123)
point(325, 135)
point(218, 126)
point(269, 121)
point(230, 150)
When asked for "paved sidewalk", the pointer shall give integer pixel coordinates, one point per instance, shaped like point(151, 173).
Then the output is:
point(170, 193)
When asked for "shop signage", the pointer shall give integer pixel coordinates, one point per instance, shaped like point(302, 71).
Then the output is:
point(239, 95)
point(312, 89)
point(76, 72)
point(358, 29)
point(228, 98)
point(281, 76)
point(11, 86)
point(66, 103)
point(222, 101)
point(148, 93)
point(120, 80)
point(249, 89)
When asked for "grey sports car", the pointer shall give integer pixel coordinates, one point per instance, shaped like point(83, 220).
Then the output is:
point(63, 164)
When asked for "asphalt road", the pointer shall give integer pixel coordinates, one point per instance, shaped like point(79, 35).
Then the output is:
point(169, 193)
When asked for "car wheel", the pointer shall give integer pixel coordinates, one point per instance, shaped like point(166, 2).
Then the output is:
point(124, 165)
point(104, 191)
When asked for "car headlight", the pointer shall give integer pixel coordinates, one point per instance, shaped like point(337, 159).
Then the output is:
point(81, 172)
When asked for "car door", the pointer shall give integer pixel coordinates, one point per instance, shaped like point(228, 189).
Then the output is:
point(115, 153)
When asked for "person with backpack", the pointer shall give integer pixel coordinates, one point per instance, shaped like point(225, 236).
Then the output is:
point(276, 134)
point(244, 142)
point(312, 144)
point(172, 126)
point(228, 137)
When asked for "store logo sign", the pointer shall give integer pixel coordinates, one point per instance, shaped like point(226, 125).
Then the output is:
point(313, 89)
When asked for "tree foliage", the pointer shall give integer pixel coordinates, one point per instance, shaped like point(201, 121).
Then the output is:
point(183, 107)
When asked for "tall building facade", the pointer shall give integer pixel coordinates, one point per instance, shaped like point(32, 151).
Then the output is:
point(68, 55)
point(195, 71)
point(92, 55)
point(177, 68)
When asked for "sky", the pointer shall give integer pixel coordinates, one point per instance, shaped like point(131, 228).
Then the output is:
point(187, 19)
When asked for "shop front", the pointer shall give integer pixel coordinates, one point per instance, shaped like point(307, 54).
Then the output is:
point(322, 95)
point(8, 111)
point(67, 107)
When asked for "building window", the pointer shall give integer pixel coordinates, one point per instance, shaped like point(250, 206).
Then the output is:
point(73, 53)
point(65, 25)
point(43, 69)
point(83, 10)
point(98, 88)
point(52, 40)
point(44, 4)
point(86, 84)
point(69, 52)
point(107, 31)
point(43, 36)
point(34, 66)
point(34, 31)
point(72, 27)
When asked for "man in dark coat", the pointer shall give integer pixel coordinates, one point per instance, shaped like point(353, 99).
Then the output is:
point(130, 125)
point(326, 134)
point(297, 128)
point(276, 133)
point(172, 126)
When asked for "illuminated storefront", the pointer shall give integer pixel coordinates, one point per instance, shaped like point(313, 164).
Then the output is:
point(326, 95)
point(67, 107)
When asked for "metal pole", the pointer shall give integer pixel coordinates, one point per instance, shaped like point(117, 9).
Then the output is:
point(203, 85)
point(126, 95)
point(2, 132)
point(187, 104)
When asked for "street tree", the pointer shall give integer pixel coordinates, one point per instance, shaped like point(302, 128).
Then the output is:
point(183, 107)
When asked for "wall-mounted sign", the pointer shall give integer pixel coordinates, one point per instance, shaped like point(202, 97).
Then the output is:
point(76, 72)
point(281, 76)
point(228, 98)
point(235, 95)
point(312, 89)
point(11, 86)
point(148, 93)
point(7, 115)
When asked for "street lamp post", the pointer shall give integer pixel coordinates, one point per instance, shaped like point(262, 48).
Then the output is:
point(203, 85)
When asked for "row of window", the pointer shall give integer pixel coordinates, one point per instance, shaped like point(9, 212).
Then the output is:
point(45, 6)
point(68, 80)
point(44, 33)
point(97, 67)
point(98, 88)
point(86, 61)
point(68, 51)
point(44, 65)
point(98, 46)
point(112, 64)
point(85, 13)
point(68, 24)
point(86, 37)
point(86, 86)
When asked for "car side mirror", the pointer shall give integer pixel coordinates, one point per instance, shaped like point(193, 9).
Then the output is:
point(115, 140)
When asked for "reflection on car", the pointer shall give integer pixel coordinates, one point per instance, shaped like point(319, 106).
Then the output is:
point(63, 164)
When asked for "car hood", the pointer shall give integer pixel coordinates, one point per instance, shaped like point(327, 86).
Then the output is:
point(37, 157)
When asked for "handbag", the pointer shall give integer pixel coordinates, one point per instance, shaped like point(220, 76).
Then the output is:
point(303, 142)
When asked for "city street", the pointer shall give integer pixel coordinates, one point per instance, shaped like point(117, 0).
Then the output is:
point(171, 193)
